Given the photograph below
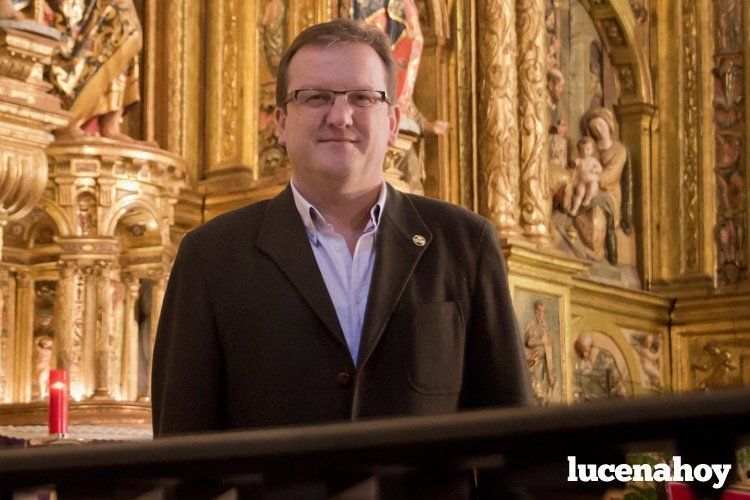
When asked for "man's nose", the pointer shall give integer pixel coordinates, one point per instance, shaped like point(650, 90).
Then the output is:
point(340, 113)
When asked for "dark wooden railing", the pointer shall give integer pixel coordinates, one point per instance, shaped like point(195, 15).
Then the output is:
point(429, 457)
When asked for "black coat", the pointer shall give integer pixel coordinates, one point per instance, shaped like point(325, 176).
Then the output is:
point(248, 335)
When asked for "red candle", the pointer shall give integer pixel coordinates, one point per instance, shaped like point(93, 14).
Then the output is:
point(58, 402)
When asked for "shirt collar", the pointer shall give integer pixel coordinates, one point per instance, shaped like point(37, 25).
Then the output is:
point(314, 220)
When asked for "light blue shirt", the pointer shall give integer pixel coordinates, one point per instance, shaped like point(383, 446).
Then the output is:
point(347, 277)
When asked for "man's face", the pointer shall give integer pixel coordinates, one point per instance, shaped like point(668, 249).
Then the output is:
point(343, 144)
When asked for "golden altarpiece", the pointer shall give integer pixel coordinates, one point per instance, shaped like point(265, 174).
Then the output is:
point(605, 139)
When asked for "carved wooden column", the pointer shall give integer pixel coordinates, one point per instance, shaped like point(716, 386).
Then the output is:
point(24, 340)
point(7, 335)
point(498, 189)
point(532, 50)
point(129, 389)
point(230, 95)
point(157, 297)
point(102, 365)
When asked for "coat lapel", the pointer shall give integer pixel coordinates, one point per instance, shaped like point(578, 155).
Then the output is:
point(283, 238)
point(396, 256)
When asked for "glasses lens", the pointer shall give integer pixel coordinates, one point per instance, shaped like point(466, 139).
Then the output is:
point(363, 98)
point(314, 98)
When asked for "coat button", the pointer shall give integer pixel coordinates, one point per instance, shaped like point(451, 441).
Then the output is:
point(343, 379)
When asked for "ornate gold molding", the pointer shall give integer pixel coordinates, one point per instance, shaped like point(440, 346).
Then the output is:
point(498, 186)
point(27, 115)
point(535, 202)
point(176, 47)
point(689, 209)
point(229, 79)
point(467, 102)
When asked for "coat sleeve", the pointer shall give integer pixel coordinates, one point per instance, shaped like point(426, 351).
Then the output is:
point(496, 373)
point(187, 382)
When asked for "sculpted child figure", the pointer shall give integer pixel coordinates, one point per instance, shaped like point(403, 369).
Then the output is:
point(587, 171)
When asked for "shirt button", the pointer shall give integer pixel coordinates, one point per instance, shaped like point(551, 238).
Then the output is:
point(343, 379)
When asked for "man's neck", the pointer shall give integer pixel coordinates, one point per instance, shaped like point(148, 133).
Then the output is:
point(347, 210)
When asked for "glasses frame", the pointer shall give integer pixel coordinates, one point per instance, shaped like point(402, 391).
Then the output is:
point(292, 97)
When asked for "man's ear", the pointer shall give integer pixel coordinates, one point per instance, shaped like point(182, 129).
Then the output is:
point(394, 116)
point(280, 118)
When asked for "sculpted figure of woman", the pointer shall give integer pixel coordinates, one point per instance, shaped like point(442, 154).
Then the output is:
point(596, 231)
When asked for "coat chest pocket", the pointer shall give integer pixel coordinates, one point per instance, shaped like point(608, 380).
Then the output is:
point(435, 348)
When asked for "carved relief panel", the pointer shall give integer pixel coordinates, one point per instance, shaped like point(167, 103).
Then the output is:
point(591, 167)
point(731, 148)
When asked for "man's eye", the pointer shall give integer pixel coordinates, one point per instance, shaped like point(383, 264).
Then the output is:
point(316, 99)
point(363, 98)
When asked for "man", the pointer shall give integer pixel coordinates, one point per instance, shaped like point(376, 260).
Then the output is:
point(341, 298)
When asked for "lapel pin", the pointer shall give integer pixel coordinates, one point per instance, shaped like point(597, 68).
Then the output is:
point(418, 240)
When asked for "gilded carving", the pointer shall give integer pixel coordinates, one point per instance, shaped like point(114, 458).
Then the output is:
point(640, 10)
point(715, 365)
point(538, 348)
point(307, 13)
point(689, 199)
point(466, 104)
point(230, 80)
point(272, 24)
point(272, 157)
point(613, 32)
point(626, 79)
point(598, 372)
point(498, 127)
point(6, 334)
point(176, 38)
point(535, 206)
point(86, 214)
point(729, 118)
point(649, 350)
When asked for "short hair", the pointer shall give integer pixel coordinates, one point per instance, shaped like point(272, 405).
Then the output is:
point(340, 31)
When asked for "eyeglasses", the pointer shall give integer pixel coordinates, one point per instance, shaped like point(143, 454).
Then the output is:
point(319, 98)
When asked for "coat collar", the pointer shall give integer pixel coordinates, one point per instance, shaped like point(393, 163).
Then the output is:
point(401, 240)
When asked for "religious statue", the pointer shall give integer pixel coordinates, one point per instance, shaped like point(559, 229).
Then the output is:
point(612, 207)
point(86, 215)
point(537, 345)
point(587, 172)
point(595, 372)
point(42, 359)
point(96, 70)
